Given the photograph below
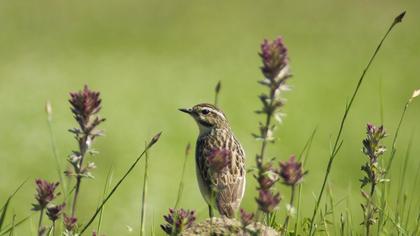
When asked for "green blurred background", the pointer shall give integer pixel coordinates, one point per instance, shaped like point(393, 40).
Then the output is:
point(149, 58)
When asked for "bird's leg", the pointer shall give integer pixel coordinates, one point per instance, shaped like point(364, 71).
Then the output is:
point(210, 211)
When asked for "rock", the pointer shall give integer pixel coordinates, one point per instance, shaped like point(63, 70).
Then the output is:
point(226, 226)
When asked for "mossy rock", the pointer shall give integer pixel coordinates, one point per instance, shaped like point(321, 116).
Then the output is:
point(226, 226)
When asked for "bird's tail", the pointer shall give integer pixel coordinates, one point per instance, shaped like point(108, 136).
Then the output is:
point(226, 210)
point(226, 205)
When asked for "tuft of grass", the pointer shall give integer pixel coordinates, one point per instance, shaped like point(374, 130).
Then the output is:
point(384, 189)
point(154, 140)
point(338, 141)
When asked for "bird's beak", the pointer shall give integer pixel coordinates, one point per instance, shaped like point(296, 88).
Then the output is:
point(186, 110)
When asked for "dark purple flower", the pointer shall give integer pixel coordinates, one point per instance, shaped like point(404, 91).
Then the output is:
point(44, 193)
point(219, 159)
point(267, 201)
point(54, 212)
point(85, 105)
point(70, 222)
point(178, 220)
point(291, 171)
point(246, 218)
point(268, 176)
point(274, 57)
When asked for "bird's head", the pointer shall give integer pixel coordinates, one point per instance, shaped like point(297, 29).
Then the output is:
point(207, 116)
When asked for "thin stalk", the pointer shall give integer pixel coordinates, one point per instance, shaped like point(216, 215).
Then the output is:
point(53, 228)
point(16, 225)
point(381, 102)
point(55, 153)
point(181, 182)
point(130, 169)
point(83, 149)
point(416, 179)
point(400, 210)
point(393, 152)
point(144, 193)
point(394, 140)
point(106, 187)
point(370, 207)
point(217, 92)
point(12, 232)
point(336, 146)
point(286, 221)
point(302, 156)
point(5, 207)
point(342, 225)
point(41, 214)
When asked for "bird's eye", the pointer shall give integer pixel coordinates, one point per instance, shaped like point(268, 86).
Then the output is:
point(205, 111)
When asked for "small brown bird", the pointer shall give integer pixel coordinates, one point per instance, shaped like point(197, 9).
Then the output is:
point(220, 160)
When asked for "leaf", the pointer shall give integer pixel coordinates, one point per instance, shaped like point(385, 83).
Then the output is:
point(6, 204)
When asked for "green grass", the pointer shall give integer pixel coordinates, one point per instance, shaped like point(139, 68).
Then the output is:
point(149, 58)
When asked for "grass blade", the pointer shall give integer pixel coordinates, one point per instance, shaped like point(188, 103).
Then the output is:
point(303, 156)
point(151, 143)
point(415, 94)
point(336, 146)
point(6, 204)
point(15, 225)
point(12, 231)
point(400, 210)
point(217, 92)
point(106, 187)
point(58, 163)
point(181, 182)
point(143, 200)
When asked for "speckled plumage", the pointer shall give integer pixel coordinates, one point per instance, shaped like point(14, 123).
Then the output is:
point(222, 190)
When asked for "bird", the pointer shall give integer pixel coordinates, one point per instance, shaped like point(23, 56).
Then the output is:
point(220, 160)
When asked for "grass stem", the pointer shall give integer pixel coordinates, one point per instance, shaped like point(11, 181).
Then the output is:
point(336, 145)
point(143, 200)
point(130, 169)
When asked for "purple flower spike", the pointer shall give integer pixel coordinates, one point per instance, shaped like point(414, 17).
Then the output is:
point(267, 201)
point(54, 212)
point(268, 176)
point(274, 57)
point(44, 193)
point(291, 171)
point(85, 106)
point(177, 221)
point(371, 145)
point(70, 222)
